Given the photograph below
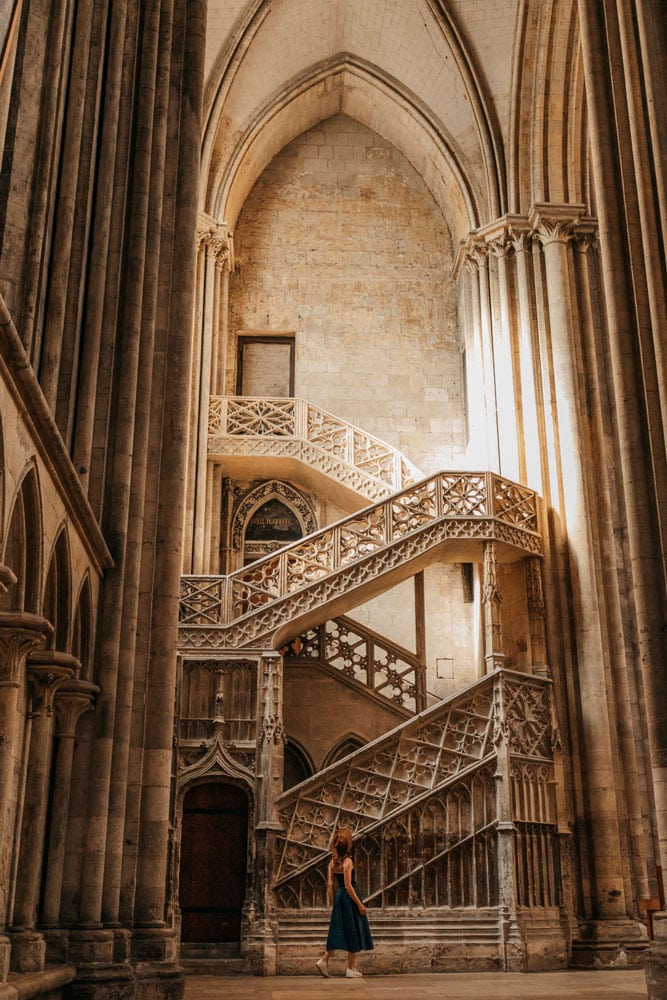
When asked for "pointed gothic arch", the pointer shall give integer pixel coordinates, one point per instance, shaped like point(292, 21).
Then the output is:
point(23, 546)
point(347, 745)
point(56, 602)
point(282, 495)
point(82, 629)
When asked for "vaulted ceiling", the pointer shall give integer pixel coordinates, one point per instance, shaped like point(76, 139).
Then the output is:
point(485, 98)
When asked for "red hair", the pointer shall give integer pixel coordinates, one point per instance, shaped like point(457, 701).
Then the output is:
point(342, 844)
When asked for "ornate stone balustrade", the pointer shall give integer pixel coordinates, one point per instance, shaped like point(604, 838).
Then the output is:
point(414, 765)
point(320, 573)
point(425, 807)
point(360, 654)
point(294, 427)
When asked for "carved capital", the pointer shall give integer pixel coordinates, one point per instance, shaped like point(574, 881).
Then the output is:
point(520, 240)
point(72, 699)
point(20, 632)
point(475, 256)
point(217, 240)
point(47, 670)
point(560, 223)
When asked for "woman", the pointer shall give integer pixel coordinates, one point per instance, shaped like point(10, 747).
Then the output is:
point(348, 927)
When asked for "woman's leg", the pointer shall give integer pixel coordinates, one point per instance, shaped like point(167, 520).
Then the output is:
point(351, 959)
point(322, 965)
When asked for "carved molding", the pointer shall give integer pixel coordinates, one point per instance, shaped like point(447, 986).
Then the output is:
point(272, 489)
point(216, 761)
point(546, 223)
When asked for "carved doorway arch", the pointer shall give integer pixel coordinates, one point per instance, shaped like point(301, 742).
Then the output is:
point(270, 516)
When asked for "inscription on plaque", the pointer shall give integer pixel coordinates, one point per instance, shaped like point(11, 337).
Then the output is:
point(273, 522)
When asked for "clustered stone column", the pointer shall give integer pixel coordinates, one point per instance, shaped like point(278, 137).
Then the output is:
point(72, 698)
point(20, 633)
point(47, 670)
point(215, 261)
point(543, 317)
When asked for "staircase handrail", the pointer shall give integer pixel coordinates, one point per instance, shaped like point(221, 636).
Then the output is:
point(468, 505)
point(294, 417)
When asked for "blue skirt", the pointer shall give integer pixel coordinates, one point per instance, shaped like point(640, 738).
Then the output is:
point(348, 930)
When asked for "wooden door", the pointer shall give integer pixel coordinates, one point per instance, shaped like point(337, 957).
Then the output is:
point(213, 862)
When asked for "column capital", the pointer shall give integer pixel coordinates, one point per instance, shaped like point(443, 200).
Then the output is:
point(507, 235)
point(47, 670)
point(553, 223)
point(20, 632)
point(73, 698)
point(217, 239)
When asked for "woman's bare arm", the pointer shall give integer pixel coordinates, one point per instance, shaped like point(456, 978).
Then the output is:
point(330, 884)
point(347, 879)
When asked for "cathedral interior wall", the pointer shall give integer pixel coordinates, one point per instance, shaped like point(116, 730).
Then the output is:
point(341, 243)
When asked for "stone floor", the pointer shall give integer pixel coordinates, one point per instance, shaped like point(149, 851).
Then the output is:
point(443, 986)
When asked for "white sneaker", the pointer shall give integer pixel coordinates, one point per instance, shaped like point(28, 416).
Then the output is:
point(322, 968)
point(353, 974)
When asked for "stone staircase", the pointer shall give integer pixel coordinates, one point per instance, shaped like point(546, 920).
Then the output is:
point(331, 571)
point(453, 811)
point(456, 837)
point(242, 428)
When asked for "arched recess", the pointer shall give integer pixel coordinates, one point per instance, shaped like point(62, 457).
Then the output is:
point(270, 496)
point(56, 603)
point(298, 764)
point(365, 93)
point(23, 547)
point(213, 871)
point(347, 745)
point(548, 157)
point(82, 630)
point(216, 786)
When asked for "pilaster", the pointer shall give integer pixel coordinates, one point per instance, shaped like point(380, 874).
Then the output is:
point(494, 657)
point(260, 947)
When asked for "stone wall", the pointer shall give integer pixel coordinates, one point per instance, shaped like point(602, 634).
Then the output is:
point(341, 243)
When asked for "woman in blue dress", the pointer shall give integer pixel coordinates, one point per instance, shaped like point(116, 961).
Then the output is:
point(348, 927)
